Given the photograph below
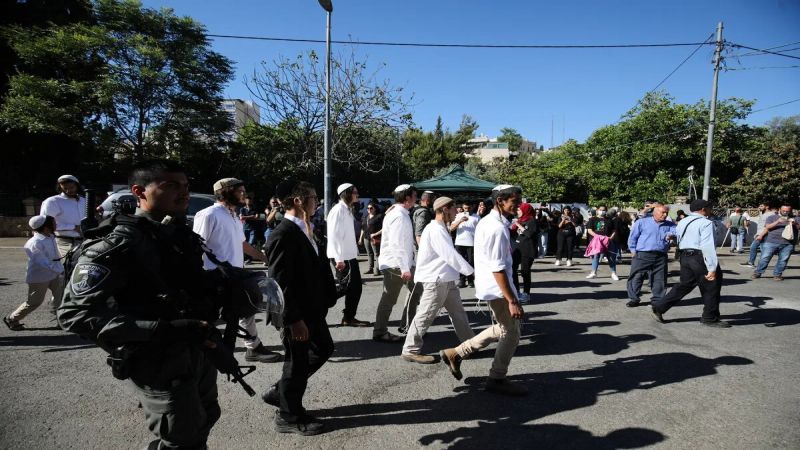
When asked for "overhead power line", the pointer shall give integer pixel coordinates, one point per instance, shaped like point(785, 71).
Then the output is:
point(683, 62)
point(775, 106)
point(761, 68)
point(764, 51)
point(770, 48)
point(420, 44)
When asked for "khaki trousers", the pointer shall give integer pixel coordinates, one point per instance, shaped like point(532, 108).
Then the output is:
point(434, 297)
point(36, 294)
point(392, 283)
point(505, 332)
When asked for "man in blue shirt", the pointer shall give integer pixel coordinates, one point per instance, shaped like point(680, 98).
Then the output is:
point(699, 266)
point(649, 243)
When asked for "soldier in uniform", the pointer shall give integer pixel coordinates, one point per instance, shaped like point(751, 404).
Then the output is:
point(135, 292)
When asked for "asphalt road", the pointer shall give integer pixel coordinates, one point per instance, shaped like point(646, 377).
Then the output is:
point(600, 375)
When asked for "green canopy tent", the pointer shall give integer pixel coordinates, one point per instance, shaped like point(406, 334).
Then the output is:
point(457, 182)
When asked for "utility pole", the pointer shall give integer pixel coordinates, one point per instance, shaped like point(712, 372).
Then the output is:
point(712, 121)
point(327, 5)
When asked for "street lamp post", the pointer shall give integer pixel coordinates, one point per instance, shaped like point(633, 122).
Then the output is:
point(327, 5)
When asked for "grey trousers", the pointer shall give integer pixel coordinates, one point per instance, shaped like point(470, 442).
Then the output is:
point(182, 415)
point(392, 284)
point(434, 297)
point(652, 265)
point(505, 332)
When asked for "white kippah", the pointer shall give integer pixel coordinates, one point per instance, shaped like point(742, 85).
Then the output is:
point(402, 187)
point(37, 222)
point(503, 187)
point(343, 187)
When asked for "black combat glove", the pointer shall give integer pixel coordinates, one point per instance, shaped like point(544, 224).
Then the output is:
point(221, 357)
point(184, 330)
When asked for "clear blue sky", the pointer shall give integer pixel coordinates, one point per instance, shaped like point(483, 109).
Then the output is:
point(526, 89)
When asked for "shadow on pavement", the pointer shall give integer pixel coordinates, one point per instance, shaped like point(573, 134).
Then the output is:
point(550, 393)
point(21, 339)
point(769, 317)
point(5, 282)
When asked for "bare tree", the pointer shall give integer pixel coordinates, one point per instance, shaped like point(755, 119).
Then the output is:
point(367, 113)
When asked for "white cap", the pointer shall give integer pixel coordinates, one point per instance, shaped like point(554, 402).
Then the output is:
point(68, 178)
point(343, 187)
point(402, 187)
point(503, 187)
point(37, 222)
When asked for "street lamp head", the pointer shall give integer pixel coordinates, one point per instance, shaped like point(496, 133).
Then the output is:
point(690, 168)
point(327, 5)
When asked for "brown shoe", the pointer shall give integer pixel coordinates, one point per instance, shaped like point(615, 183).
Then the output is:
point(355, 323)
point(778, 278)
point(452, 360)
point(419, 359)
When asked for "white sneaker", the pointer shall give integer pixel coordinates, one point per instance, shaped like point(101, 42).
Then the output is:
point(591, 275)
point(569, 263)
point(558, 262)
point(614, 276)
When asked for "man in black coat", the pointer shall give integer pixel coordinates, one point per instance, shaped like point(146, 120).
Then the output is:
point(308, 290)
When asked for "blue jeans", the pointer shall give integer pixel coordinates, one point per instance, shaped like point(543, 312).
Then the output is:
point(267, 232)
point(250, 236)
point(753, 250)
point(612, 261)
point(737, 241)
point(767, 250)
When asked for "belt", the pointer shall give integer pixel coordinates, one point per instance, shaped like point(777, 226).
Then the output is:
point(691, 252)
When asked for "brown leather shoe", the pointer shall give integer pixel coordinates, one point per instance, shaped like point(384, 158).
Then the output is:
point(419, 359)
point(453, 361)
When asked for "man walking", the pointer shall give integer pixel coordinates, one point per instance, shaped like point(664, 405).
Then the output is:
point(765, 212)
point(736, 228)
point(308, 291)
point(224, 235)
point(438, 268)
point(464, 225)
point(343, 252)
point(493, 275)
point(397, 262)
point(421, 215)
point(649, 243)
point(776, 240)
point(68, 208)
point(699, 266)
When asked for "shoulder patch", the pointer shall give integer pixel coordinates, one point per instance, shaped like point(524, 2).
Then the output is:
point(87, 276)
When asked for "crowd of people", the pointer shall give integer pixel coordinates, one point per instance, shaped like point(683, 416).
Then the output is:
point(145, 291)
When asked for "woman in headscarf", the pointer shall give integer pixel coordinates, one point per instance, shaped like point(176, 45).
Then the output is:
point(527, 231)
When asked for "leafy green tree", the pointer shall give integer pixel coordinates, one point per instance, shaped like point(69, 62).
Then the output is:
point(512, 137)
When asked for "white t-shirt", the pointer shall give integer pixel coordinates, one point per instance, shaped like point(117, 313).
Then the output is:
point(223, 233)
point(67, 211)
point(465, 233)
point(492, 254)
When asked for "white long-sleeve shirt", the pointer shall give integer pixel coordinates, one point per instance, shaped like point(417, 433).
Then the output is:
point(492, 254)
point(341, 237)
point(438, 260)
point(67, 211)
point(465, 233)
point(397, 240)
point(44, 260)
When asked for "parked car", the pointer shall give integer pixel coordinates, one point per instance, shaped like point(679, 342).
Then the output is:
point(123, 200)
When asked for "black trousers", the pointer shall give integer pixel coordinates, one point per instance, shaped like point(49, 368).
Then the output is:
point(467, 252)
point(693, 272)
point(522, 258)
point(353, 295)
point(565, 245)
point(652, 265)
point(302, 360)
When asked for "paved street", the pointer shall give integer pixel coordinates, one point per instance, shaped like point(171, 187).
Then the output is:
point(600, 375)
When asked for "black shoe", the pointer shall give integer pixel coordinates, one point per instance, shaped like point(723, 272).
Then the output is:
point(306, 426)
point(657, 315)
point(261, 354)
point(462, 284)
point(355, 323)
point(632, 304)
point(717, 324)
point(271, 397)
point(368, 271)
point(471, 284)
point(402, 330)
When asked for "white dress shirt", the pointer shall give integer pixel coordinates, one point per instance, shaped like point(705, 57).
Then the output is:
point(223, 233)
point(438, 260)
point(67, 211)
point(492, 254)
point(341, 235)
point(44, 260)
point(302, 225)
point(397, 240)
point(465, 233)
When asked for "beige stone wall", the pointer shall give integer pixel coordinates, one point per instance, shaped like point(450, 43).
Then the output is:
point(14, 227)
